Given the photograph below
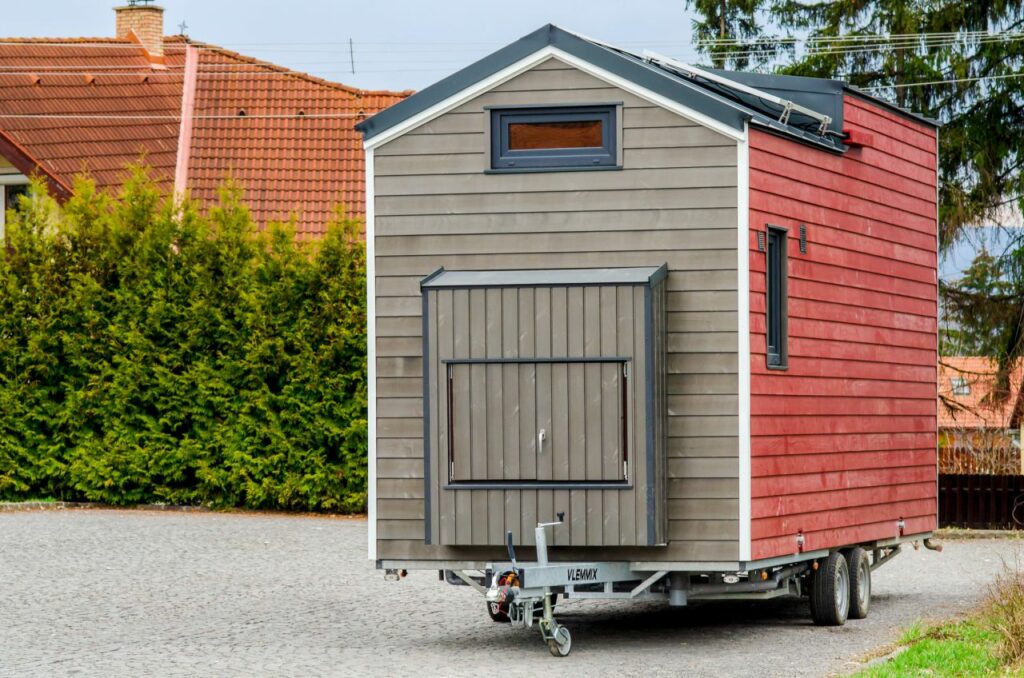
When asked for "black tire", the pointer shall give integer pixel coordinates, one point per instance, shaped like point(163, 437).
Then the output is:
point(860, 582)
point(830, 591)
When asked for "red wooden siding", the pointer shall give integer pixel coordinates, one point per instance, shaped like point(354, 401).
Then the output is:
point(843, 442)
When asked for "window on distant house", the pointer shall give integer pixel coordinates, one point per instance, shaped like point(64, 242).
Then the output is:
point(565, 137)
point(9, 201)
point(776, 298)
point(960, 386)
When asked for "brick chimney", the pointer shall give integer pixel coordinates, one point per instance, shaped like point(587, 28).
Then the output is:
point(143, 21)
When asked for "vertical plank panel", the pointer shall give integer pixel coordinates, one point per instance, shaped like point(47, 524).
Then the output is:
point(460, 417)
point(560, 411)
point(640, 429)
point(527, 415)
point(445, 349)
point(577, 426)
point(592, 410)
point(478, 398)
point(611, 436)
point(542, 313)
point(495, 417)
point(510, 396)
point(559, 387)
point(624, 340)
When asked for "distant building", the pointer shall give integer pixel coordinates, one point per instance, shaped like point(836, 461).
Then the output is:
point(979, 421)
point(195, 112)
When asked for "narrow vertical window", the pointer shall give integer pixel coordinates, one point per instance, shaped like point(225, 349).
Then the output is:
point(776, 297)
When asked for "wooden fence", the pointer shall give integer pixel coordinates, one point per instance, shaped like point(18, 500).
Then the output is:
point(981, 501)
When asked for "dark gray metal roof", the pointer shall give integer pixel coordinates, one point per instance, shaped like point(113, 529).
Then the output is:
point(817, 94)
point(729, 107)
point(556, 277)
point(627, 66)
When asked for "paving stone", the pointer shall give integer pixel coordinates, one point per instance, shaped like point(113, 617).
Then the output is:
point(132, 593)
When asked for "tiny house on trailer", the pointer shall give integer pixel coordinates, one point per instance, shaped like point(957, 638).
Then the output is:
point(639, 329)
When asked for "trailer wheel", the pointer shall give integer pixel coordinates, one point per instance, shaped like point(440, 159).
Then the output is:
point(860, 582)
point(830, 591)
point(561, 644)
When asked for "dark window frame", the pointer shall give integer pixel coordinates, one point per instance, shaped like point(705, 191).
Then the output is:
point(11, 192)
point(503, 159)
point(623, 483)
point(776, 298)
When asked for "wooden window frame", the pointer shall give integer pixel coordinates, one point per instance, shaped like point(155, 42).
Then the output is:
point(777, 287)
point(605, 157)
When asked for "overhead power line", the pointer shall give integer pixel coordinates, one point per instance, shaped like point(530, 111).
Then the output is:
point(862, 37)
point(950, 81)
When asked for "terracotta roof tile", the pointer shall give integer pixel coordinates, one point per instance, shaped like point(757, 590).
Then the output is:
point(287, 138)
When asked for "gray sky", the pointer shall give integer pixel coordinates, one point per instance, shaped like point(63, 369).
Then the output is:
point(399, 44)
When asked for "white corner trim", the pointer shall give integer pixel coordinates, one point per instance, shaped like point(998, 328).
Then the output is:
point(526, 64)
point(462, 96)
point(371, 363)
point(743, 336)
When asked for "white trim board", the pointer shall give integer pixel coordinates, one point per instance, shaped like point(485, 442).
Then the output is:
point(525, 64)
point(13, 179)
point(371, 363)
point(743, 337)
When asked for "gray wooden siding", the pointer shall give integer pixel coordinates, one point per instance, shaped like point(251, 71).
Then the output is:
point(674, 201)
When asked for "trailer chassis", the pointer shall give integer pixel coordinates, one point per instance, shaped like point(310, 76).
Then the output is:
point(525, 593)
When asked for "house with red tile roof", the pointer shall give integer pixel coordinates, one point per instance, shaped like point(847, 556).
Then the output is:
point(194, 112)
point(979, 418)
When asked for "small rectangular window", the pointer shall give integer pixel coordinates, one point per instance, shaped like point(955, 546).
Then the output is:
point(960, 386)
point(568, 137)
point(776, 279)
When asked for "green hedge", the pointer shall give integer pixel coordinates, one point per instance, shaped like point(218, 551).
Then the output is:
point(153, 353)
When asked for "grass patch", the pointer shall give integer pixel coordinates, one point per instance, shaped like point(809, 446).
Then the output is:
point(989, 643)
point(1006, 611)
point(965, 648)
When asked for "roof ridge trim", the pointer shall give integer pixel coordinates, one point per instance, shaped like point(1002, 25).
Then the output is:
point(285, 71)
point(524, 64)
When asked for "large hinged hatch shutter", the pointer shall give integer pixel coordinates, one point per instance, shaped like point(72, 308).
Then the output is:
point(543, 391)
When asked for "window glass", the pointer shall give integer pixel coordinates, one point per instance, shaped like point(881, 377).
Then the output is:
point(775, 279)
point(578, 134)
point(13, 193)
point(960, 386)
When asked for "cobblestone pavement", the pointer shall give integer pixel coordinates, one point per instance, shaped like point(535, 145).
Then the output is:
point(126, 593)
